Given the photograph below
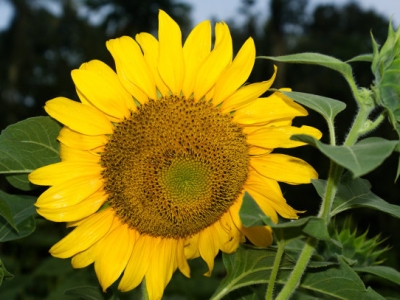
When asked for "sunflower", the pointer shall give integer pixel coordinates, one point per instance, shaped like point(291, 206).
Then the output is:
point(156, 157)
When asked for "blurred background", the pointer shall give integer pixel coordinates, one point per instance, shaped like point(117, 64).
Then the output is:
point(41, 41)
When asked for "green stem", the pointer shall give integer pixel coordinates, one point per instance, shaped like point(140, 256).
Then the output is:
point(274, 272)
point(295, 276)
point(372, 125)
point(335, 173)
point(358, 125)
point(330, 191)
point(332, 134)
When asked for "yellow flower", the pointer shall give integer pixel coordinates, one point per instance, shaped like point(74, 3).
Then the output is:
point(156, 157)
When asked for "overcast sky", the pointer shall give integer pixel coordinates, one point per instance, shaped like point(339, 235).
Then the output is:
point(227, 9)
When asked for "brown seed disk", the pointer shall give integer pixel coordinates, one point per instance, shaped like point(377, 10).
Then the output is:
point(174, 167)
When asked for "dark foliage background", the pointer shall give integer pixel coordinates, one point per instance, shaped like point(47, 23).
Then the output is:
point(39, 49)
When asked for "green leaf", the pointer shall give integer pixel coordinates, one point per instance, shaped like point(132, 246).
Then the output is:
point(6, 213)
point(315, 59)
point(26, 146)
point(360, 159)
point(357, 193)
point(252, 215)
point(381, 271)
point(363, 57)
point(245, 293)
point(23, 212)
point(88, 293)
point(4, 274)
point(249, 266)
point(327, 107)
point(338, 282)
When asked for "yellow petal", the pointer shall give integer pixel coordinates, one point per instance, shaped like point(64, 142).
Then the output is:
point(170, 62)
point(215, 63)
point(235, 74)
point(228, 233)
point(266, 190)
point(63, 171)
point(181, 259)
point(279, 137)
point(76, 155)
point(71, 213)
point(112, 255)
point(76, 140)
point(79, 117)
point(269, 109)
point(85, 235)
point(84, 258)
point(105, 93)
point(69, 192)
point(259, 235)
point(208, 247)
point(130, 62)
point(150, 47)
point(191, 249)
point(196, 48)
point(142, 254)
point(284, 168)
point(162, 266)
point(247, 95)
point(104, 70)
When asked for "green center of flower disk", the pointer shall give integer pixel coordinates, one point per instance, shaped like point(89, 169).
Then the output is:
point(174, 167)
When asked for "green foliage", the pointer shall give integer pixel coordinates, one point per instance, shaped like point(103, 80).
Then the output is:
point(296, 262)
point(4, 274)
point(360, 158)
point(357, 193)
point(90, 293)
point(381, 271)
point(26, 146)
point(23, 217)
point(250, 266)
point(315, 59)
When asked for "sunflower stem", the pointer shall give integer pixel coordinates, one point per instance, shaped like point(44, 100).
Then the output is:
point(335, 172)
point(294, 278)
point(274, 272)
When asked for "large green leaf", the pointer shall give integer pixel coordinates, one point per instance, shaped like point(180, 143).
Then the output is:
point(325, 106)
point(26, 146)
point(360, 159)
point(381, 271)
point(338, 282)
point(23, 212)
point(250, 266)
point(315, 59)
point(357, 193)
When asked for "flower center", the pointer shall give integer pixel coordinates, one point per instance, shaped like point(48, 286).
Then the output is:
point(174, 167)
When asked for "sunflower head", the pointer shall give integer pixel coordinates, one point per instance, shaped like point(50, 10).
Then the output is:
point(156, 157)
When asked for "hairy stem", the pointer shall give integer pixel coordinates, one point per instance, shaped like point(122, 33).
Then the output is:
point(335, 173)
point(274, 272)
point(294, 279)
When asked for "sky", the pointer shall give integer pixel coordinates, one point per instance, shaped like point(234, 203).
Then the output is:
point(228, 9)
